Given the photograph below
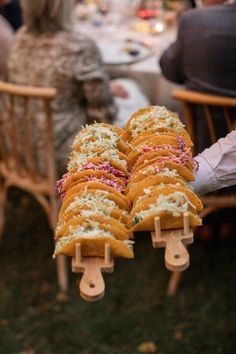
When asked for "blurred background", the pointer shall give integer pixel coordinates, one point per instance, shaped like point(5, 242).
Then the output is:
point(135, 316)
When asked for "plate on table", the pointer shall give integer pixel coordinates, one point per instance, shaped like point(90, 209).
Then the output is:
point(123, 52)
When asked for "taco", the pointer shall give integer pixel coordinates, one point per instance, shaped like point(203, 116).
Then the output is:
point(92, 236)
point(134, 188)
point(163, 168)
point(99, 186)
point(94, 246)
point(104, 134)
point(91, 175)
point(151, 133)
point(145, 114)
point(151, 117)
point(158, 144)
point(102, 164)
point(68, 223)
point(80, 195)
point(165, 189)
point(94, 199)
point(86, 207)
point(114, 156)
point(169, 206)
point(162, 156)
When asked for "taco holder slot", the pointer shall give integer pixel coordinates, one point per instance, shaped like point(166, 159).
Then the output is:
point(92, 286)
point(174, 241)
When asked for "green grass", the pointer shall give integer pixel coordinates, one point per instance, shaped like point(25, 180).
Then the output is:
point(201, 318)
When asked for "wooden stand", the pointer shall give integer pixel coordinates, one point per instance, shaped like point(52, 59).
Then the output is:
point(176, 254)
point(92, 286)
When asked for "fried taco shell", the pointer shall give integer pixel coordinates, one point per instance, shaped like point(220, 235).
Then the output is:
point(114, 156)
point(99, 186)
point(158, 144)
point(89, 214)
point(91, 188)
point(134, 188)
point(168, 221)
point(104, 165)
point(158, 168)
point(94, 247)
point(107, 223)
point(83, 176)
point(164, 189)
point(153, 133)
point(115, 213)
point(161, 156)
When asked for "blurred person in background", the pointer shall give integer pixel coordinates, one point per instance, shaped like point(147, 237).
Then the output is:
point(203, 57)
point(47, 53)
point(6, 38)
point(10, 9)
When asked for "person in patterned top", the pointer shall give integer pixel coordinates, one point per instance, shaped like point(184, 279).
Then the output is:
point(47, 53)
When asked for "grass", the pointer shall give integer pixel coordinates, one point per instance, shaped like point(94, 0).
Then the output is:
point(35, 319)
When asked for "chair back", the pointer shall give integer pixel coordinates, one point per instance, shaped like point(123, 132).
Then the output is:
point(27, 158)
point(227, 105)
point(208, 103)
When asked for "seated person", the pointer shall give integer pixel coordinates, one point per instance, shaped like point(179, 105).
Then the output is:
point(47, 53)
point(203, 56)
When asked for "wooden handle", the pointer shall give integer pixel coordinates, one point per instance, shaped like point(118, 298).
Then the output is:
point(176, 255)
point(92, 286)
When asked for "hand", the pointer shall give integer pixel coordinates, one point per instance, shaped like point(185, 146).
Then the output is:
point(119, 91)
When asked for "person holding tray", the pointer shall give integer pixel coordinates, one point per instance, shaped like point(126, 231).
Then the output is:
point(217, 167)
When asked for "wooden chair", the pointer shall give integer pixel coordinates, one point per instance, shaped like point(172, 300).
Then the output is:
point(208, 103)
point(19, 153)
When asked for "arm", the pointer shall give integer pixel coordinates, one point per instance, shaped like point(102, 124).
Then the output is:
point(171, 61)
point(6, 39)
point(217, 166)
point(89, 70)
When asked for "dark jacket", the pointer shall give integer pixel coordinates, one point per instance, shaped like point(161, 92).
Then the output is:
point(204, 54)
point(12, 13)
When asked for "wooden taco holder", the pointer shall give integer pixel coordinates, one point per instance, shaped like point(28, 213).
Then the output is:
point(174, 241)
point(92, 286)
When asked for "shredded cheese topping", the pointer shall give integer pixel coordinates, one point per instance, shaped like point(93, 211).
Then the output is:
point(160, 117)
point(174, 203)
point(77, 159)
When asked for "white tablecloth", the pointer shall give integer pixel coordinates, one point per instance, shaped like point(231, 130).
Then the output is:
point(146, 71)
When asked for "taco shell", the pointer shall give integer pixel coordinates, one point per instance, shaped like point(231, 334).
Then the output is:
point(99, 160)
point(68, 227)
point(94, 247)
point(82, 176)
point(142, 199)
point(73, 191)
point(156, 169)
point(115, 213)
point(151, 181)
point(161, 156)
point(102, 219)
point(168, 221)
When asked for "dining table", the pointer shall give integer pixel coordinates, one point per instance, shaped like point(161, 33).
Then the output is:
point(129, 51)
